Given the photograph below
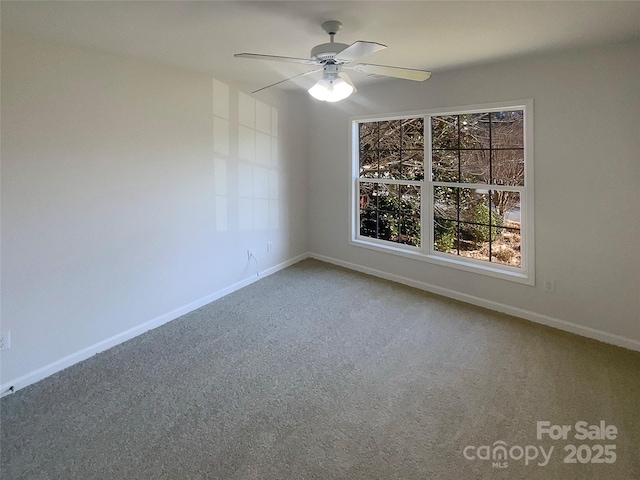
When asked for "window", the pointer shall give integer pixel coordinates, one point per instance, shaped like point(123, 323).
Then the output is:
point(450, 187)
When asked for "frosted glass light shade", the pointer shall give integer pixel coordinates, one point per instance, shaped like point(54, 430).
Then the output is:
point(331, 90)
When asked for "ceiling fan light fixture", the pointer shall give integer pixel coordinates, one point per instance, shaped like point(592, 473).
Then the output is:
point(331, 90)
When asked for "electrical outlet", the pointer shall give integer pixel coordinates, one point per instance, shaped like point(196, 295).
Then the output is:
point(5, 340)
point(269, 247)
point(549, 285)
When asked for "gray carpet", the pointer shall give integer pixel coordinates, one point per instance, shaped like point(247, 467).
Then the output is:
point(318, 372)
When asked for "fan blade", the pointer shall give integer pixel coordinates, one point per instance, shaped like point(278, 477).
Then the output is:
point(257, 56)
point(395, 72)
point(359, 49)
point(287, 79)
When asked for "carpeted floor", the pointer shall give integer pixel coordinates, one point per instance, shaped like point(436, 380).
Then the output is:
point(318, 372)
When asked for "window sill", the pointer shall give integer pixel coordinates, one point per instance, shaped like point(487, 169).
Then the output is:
point(512, 274)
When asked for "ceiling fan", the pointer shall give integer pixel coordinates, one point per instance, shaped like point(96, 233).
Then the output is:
point(332, 57)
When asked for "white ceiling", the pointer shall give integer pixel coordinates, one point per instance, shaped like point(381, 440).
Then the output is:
point(432, 35)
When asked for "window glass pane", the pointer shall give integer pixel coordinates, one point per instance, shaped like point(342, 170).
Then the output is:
point(489, 226)
point(410, 199)
point(368, 210)
point(410, 209)
point(475, 232)
point(479, 223)
point(445, 165)
point(388, 212)
point(507, 129)
point(506, 242)
point(388, 197)
point(444, 235)
point(369, 213)
point(389, 165)
point(444, 131)
point(474, 130)
point(368, 223)
point(388, 203)
point(474, 166)
point(369, 164)
point(368, 136)
point(387, 225)
point(474, 206)
point(469, 244)
point(413, 133)
point(445, 203)
point(389, 135)
point(368, 196)
point(409, 233)
point(508, 167)
point(506, 248)
point(507, 205)
point(412, 165)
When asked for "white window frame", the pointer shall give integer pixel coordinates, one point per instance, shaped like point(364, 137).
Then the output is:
point(524, 274)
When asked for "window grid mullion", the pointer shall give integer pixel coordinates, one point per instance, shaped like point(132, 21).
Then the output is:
point(479, 186)
point(390, 181)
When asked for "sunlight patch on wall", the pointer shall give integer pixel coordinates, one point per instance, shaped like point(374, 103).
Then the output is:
point(220, 117)
point(246, 143)
point(221, 179)
point(221, 149)
point(258, 184)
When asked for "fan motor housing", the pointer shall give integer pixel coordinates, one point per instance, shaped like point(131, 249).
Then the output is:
point(327, 51)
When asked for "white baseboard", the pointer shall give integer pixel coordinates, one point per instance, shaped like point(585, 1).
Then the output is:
point(54, 367)
point(581, 330)
point(61, 364)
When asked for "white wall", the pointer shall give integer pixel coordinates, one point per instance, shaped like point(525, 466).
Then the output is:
point(130, 194)
point(587, 177)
